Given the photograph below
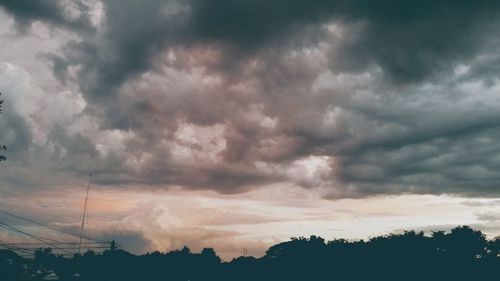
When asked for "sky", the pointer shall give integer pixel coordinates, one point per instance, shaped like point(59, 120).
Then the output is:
point(240, 124)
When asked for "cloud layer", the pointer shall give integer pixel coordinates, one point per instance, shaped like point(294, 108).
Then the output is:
point(356, 98)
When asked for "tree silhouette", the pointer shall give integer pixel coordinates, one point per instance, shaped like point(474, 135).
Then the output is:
point(460, 254)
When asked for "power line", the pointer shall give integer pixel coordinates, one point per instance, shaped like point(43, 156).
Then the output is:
point(18, 250)
point(35, 247)
point(11, 247)
point(59, 248)
point(44, 225)
point(63, 243)
point(16, 230)
point(11, 228)
point(97, 247)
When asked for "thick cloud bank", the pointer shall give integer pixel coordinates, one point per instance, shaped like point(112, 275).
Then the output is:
point(357, 98)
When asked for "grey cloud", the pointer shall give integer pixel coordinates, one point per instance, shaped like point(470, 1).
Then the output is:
point(16, 133)
point(132, 35)
point(409, 40)
point(133, 241)
point(490, 217)
point(53, 163)
point(447, 155)
point(404, 38)
point(481, 204)
point(489, 222)
point(393, 117)
point(26, 12)
point(223, 178)
point(414, 41)
point(249, 24)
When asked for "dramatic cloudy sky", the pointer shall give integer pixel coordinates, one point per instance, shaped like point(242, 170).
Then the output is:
point(238, 124)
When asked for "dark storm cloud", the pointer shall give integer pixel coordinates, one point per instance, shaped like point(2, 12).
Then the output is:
point(413, 40)
point(388, 96)
point(25, 12)
point(410, 40)
point(133, 34)
point(223, 178)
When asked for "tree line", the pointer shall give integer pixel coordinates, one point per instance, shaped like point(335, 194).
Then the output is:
point(460, 254)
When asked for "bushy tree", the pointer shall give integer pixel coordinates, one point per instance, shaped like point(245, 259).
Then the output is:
point(459, 254)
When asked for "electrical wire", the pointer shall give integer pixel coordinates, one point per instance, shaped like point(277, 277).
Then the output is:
point(11, 228)
point(63, 243)
point(44, 225)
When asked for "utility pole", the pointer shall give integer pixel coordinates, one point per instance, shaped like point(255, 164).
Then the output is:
point(113, 246)
point(77, 274)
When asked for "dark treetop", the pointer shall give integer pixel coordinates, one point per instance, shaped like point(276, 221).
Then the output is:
point(460, 254)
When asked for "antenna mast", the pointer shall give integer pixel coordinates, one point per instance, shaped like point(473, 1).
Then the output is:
point(83, 225)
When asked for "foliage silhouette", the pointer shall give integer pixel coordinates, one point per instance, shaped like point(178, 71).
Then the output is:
point(460, 254)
